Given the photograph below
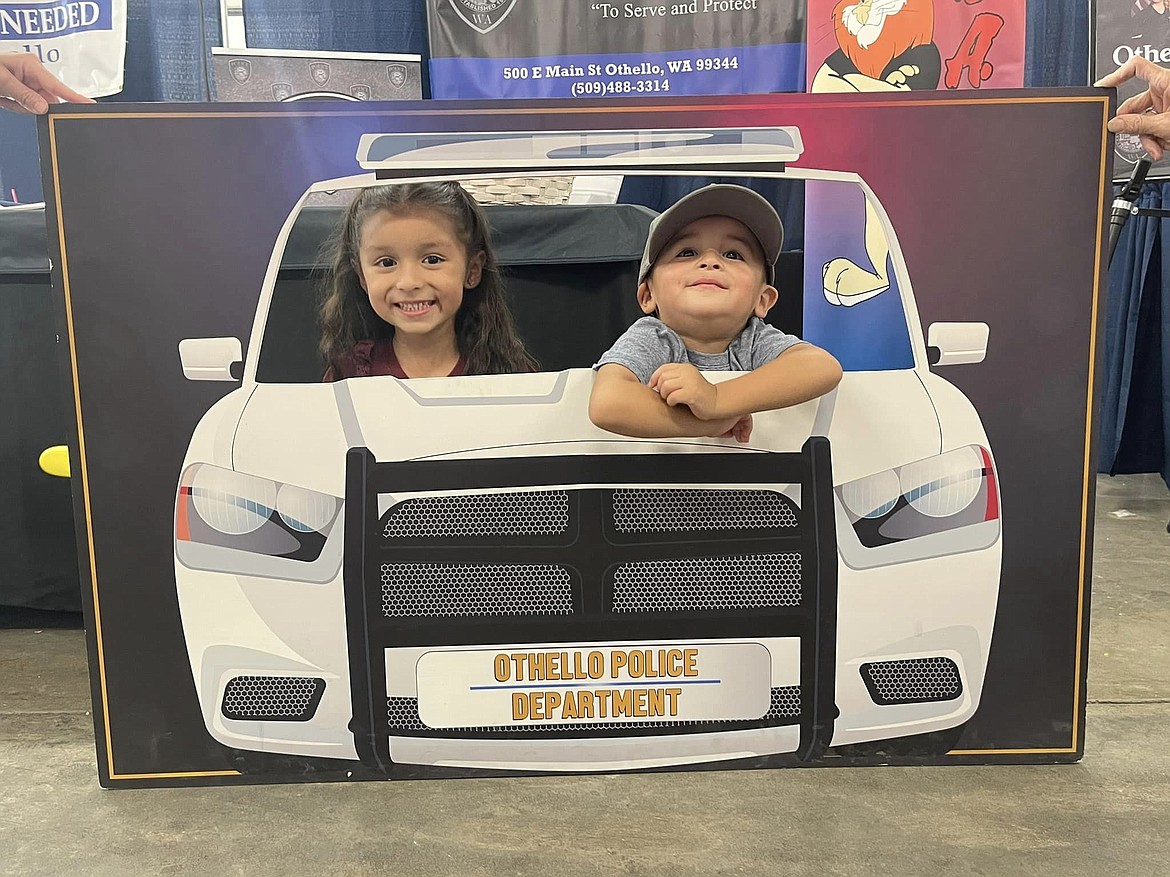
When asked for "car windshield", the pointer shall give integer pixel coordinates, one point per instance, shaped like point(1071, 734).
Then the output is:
point(853, 303)
point(571, 269)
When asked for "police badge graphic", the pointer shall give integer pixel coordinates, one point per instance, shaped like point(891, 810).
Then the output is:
point(319, 71)
point(361, 92)
point(397, 74)
point(482, 15)
point(282, 90)
point(1129, 147)
point(241, 69)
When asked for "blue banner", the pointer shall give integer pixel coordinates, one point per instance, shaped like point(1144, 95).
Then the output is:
point(744, 70)
point(485, 49)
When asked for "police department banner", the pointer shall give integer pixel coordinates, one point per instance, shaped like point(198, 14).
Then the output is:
point(1122, 30)
point(83, 42)
point(582, 48)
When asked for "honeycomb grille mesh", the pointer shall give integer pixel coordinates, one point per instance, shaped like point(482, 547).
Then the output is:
point(535, 513)
point(751, 581)
point(919, 680)
point(672, 511)
point(461, 590)
point(402, 715)
point(785, 703)
point(273, 698)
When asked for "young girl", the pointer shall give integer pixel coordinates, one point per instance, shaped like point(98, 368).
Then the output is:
point(414, 290)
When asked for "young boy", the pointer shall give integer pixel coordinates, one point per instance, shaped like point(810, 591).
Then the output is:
point(707, 278)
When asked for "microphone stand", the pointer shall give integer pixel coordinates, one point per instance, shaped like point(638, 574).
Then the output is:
point(1125, 206)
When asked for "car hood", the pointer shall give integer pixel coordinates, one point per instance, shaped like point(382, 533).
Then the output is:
point(299, 433)
point(881, 420)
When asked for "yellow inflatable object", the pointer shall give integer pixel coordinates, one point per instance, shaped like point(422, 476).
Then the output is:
point(55, 461)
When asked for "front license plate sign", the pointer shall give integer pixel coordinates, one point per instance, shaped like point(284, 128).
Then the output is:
point(582, 684)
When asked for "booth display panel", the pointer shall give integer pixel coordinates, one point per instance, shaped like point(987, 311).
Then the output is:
point(944, 626)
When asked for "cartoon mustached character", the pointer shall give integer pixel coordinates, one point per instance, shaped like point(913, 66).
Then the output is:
point(883, 45)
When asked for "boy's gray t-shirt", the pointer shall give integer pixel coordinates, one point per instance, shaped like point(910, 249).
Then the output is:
point(650, 343)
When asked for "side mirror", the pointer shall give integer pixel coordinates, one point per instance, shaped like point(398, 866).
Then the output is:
point(211, 359)
point(956, 343)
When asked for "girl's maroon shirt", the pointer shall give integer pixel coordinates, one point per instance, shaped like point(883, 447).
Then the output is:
point(376, 358)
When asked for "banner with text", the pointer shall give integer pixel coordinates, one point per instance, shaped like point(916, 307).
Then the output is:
point(1122, 30)
point(899, 45)
point(82, 42)
point(583, 48)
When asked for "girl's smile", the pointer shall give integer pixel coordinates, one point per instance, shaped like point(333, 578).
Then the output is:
point(416, 308)
point(414, 270)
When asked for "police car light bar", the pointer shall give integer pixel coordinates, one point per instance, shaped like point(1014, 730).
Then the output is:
point(561, 150)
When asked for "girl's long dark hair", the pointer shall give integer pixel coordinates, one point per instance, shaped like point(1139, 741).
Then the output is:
point(484, 330)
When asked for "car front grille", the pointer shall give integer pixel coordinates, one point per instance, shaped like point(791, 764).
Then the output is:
point(708, 583)
point(561, 550)
point(675, 509)
point(468, 590)
point(527, 513)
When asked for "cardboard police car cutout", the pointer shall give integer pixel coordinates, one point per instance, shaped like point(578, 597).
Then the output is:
point(467, 572)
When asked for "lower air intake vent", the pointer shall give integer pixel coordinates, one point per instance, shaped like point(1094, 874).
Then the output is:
point(919, 680)
point(462, 590)
point(272, 698)
point(754, 581)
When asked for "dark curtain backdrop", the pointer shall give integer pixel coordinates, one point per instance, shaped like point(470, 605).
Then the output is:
point(1135, 400)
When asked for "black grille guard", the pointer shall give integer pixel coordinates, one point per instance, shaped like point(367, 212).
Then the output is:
point(591, 551)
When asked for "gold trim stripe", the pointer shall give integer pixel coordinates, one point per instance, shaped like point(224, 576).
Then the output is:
point(1071, 750)
point(97, 615)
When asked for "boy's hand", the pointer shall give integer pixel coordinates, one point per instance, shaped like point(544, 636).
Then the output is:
point(680, 383)
point(742, 431)
point(738, 428)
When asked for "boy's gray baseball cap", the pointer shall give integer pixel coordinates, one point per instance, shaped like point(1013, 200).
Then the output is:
point(719, 199)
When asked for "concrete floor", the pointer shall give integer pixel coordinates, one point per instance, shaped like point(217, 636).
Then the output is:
point(1108, 815)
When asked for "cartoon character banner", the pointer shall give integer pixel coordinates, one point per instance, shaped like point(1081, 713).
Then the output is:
point(290, 578)
point(573, 49)
point(1121, 31)
point(899, 45)
point(82, 42)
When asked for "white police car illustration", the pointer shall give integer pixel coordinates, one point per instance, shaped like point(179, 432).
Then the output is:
point(467, 572)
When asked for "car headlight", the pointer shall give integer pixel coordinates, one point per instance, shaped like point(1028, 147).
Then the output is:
point(233, 510)
point(940, 493)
